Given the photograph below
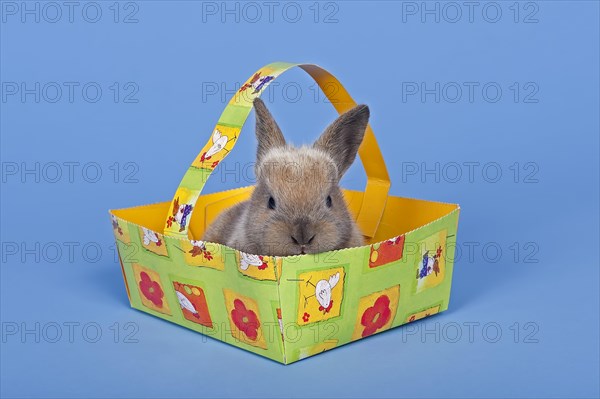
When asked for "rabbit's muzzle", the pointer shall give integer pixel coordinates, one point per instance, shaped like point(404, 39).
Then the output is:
point(303, 234)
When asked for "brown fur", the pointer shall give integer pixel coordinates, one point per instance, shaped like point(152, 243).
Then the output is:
point(299, 181)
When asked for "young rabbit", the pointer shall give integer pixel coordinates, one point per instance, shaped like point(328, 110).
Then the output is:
point(297, 206)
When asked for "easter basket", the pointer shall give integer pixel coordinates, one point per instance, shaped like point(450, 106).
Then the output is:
point(286, 308)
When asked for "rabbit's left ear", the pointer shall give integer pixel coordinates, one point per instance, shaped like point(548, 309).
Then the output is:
point(268, 133)
point(343, 137)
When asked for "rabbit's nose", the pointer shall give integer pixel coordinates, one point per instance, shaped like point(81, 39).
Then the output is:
point(303, 234)
point(302, 242)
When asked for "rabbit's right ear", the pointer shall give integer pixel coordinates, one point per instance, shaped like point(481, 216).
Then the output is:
point(268, 133)
point(343, 137)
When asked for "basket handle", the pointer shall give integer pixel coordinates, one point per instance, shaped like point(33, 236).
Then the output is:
point(229, 127)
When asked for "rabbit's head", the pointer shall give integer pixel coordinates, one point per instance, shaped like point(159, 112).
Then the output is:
point(297, 206)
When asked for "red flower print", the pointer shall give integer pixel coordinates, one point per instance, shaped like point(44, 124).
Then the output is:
point(151, 290)
point(306, 317)
point(214, 164)
point(245, 319)
point(207, 255)
point(376, 316)
point(170, 221)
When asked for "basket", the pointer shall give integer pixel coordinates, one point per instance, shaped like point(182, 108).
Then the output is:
point(287, 308)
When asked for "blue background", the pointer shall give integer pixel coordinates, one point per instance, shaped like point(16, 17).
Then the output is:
point(532, 274)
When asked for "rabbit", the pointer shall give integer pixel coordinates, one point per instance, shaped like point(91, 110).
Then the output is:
point(297, 206)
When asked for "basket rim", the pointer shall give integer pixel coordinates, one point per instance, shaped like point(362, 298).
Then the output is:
point(455, 210)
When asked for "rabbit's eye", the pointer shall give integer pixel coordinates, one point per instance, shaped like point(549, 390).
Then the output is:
point(271, 203)
point(328, 201)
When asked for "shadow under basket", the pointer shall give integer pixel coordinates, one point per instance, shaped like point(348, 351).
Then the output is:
point(287, 308)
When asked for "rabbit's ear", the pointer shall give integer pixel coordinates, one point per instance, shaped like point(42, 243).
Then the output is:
point(343, 137)
point(267, 132)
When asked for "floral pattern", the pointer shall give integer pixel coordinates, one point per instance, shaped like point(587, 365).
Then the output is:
point(151, 289)
point(376, 312)
point(245, 320)
point(376, 316)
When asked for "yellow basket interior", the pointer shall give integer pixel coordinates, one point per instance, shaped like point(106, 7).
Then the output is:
point(401, 215)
